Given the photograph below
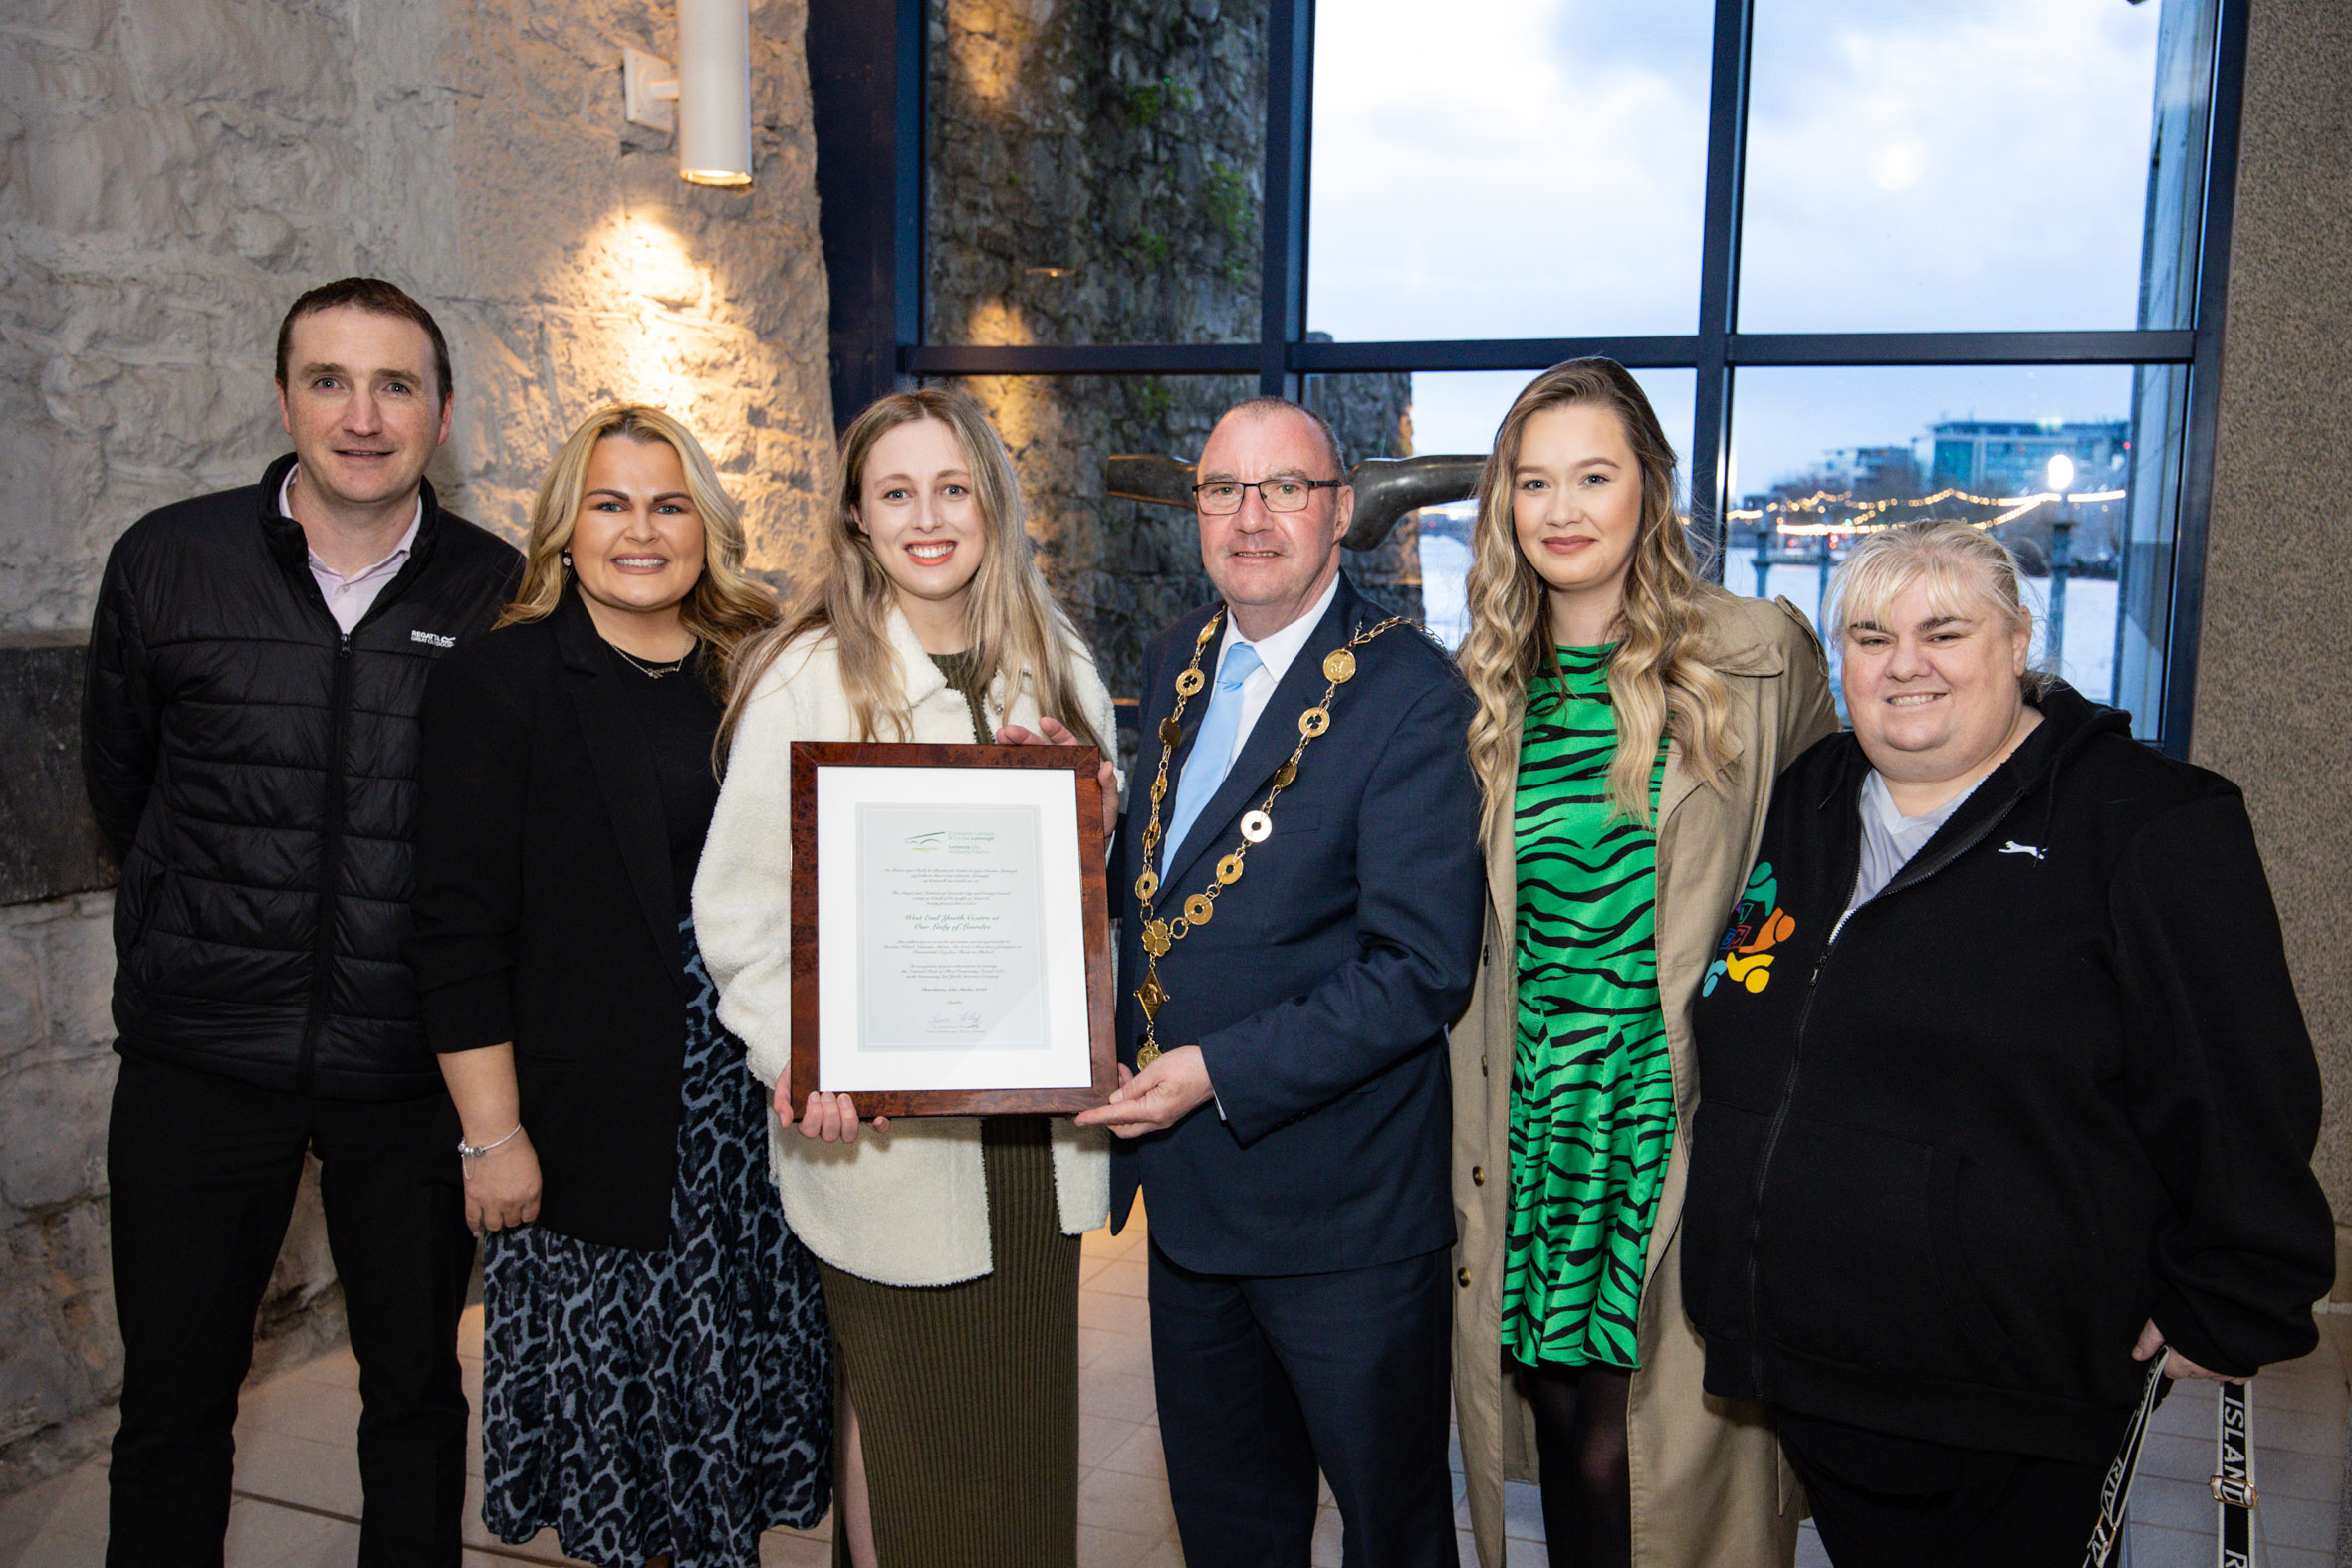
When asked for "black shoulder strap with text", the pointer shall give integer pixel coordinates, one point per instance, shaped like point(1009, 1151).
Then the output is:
point(2233, 1482)
point(2233, 1479)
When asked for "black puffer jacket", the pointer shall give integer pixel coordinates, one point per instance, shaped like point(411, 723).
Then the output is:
point(253, 769)
point(2049, 1084)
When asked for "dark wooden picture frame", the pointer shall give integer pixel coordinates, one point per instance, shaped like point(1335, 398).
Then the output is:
point(1085, 763)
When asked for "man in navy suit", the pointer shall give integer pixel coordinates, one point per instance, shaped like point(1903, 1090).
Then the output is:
point(1291, 1118)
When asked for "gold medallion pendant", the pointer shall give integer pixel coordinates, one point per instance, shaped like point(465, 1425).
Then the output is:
point(1151, 996)
point(1198, 909)
point(1146, 885)
point(1189, 684)
point(1314, 722)
point(1339, 666)
point(1170, 731)
point(1256, 827)
point(1284, 775)
point(1146, 1053)
point(1229, 870)
point(1155, 937)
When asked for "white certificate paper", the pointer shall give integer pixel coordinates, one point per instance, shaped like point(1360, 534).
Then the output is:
point(951, 935)
point(951, 927)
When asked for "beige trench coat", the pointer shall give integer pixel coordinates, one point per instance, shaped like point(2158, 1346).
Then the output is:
point(1708, 1481)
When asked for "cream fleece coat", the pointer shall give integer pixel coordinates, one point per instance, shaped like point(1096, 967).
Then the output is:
point(909, 1206)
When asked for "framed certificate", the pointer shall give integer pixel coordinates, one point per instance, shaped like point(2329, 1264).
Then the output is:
point(951, 950)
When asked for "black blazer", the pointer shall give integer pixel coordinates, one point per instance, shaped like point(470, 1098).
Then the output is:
point(545, 916)
point(1320, 990)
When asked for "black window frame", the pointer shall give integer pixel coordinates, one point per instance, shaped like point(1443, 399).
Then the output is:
point(867, 74)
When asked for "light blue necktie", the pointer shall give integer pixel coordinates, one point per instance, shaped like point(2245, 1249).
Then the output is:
point(1211, 748)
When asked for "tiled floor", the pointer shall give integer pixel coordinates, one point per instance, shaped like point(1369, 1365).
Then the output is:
point(298, 1488)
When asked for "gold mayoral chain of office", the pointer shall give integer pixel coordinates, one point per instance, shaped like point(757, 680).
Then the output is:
point(1256, 827)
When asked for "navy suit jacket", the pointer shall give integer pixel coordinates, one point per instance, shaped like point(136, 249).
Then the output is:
point(1320, 990)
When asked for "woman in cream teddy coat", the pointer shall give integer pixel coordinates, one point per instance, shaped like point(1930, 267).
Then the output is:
point(948, 1244)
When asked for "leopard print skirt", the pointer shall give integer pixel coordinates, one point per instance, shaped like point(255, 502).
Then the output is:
point(677, 1402)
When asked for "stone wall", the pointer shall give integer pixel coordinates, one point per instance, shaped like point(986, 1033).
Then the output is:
point(171, 176)
point(60, 1361)
point(176, 173)
point(2271, 679)
point(1096, 176)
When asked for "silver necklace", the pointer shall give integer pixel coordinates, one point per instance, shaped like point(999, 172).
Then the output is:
point(652, 671)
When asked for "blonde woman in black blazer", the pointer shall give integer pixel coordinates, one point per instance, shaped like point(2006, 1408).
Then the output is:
point(657, 1379)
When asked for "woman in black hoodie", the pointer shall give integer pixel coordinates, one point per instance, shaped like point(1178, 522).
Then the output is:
point(2005, 1087)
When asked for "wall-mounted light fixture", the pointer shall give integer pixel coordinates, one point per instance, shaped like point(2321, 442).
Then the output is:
point(707, 99)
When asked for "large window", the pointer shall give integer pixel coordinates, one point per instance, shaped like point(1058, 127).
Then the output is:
point(1872, 258)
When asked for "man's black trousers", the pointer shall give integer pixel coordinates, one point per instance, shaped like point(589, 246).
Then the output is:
point(203, 1170)
point(1261, 1380)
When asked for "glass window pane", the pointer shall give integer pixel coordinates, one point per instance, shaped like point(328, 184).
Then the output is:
point(1093, 181)
point(1506, 168)
point(1818, 456)
point(1938, 165)
point(1459, 411)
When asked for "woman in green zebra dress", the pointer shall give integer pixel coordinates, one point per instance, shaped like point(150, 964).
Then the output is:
point(1592, 1095)
point(1631, 719)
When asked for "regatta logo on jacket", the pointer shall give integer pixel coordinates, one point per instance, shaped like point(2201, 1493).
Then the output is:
point(1747, 951)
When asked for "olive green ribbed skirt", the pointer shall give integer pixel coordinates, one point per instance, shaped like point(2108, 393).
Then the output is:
point(967, 1395)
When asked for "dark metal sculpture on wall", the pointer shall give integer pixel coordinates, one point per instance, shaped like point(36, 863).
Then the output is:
point(1386, 488)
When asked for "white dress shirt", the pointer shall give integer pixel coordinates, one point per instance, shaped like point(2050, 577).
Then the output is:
point(1275, 653)
point(348, 598)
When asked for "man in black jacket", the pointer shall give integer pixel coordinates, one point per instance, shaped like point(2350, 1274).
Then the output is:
point(249, 737)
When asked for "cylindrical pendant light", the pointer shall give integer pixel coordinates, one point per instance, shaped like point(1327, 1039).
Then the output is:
point(715, 92)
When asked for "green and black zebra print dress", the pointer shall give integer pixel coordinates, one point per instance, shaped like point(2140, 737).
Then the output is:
point(1591, 1091)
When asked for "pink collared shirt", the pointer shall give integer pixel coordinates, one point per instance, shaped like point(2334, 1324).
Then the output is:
point(348, 598)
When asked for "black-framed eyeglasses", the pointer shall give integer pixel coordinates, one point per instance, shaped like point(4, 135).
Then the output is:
point(1223, 497)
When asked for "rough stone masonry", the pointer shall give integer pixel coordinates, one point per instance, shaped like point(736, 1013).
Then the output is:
point(171, 176)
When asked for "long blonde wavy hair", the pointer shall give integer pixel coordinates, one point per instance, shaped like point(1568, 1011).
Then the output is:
point(726, 608)
point(1658, 681)
point(1016, 627)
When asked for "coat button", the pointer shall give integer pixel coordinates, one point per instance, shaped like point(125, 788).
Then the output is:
point(1463, 1274)
point(1478, 1175)
point(1482, 1063)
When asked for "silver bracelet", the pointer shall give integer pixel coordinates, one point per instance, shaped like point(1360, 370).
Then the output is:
point(475, 1151)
